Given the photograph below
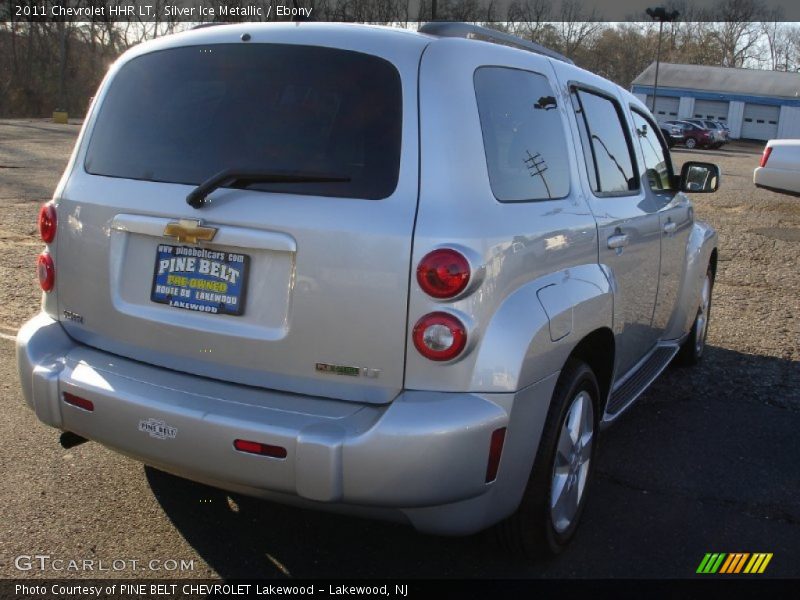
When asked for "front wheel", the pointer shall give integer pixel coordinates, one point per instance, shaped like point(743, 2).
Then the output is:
point(692, 349)
point(555, 496)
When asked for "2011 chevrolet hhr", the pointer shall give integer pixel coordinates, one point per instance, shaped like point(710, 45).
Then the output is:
point(405, 274)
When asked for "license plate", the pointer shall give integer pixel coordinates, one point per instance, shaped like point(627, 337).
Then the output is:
point(209, 281)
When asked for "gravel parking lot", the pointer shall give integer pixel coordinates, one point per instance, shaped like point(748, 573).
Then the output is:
point(707, 461)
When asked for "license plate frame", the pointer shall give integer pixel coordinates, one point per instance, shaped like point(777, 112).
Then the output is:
point(192, 282)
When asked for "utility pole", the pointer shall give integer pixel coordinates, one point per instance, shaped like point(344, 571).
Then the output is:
point(659, 14)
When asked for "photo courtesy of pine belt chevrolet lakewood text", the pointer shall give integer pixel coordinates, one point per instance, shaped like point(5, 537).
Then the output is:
point(407, 275)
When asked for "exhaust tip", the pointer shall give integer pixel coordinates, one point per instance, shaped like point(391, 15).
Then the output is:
point(70, 440)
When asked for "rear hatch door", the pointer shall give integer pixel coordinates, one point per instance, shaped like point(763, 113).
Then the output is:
point(300, 285)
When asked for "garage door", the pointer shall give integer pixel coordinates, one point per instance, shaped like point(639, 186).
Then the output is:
point(760, 121)
point(711, 109)
point(666, 108)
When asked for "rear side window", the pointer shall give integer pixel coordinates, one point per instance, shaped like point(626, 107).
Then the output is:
point(184, 114)
point(523, 135)
point(606, 147)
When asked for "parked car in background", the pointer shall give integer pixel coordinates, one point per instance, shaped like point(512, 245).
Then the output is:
point(720, 133)
point(673, 134)
point(779, 170)
point(695, 136)
point(403, 275)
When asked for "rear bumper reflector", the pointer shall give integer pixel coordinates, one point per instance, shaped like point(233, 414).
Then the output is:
point(79, 402)
point(258, 448)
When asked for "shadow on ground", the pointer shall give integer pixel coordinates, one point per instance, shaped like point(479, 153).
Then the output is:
point(705, 462)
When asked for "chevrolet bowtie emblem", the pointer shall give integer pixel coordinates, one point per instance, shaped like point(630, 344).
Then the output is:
point(189, 230)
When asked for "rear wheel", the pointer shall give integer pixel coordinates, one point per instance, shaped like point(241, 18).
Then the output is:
point(693, 347)
point(690, 143)
point(551, 507)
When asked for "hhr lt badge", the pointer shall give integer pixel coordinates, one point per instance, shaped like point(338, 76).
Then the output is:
point(189, 230)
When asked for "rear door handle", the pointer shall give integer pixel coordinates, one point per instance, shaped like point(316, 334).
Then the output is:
point(619, 240)
point(670, 227)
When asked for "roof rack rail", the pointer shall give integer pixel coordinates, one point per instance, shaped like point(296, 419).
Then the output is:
point(476, 32)
point(209, 24)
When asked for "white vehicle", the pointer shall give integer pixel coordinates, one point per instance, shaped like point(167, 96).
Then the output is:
point(779, 170)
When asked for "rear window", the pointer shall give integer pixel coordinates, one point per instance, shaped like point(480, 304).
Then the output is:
point(184, 114)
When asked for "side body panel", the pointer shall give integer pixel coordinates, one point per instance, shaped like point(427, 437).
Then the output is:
point(633, 269)
point(541, 288)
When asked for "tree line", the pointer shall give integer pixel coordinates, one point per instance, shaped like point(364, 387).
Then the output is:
point(47, 65)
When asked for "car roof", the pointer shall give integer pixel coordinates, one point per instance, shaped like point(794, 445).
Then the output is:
point(314, 33)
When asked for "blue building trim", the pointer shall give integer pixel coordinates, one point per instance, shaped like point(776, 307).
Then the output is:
point(699, 95)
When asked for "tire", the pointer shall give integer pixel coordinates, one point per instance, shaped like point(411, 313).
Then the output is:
point(541, 528)
point(693, 347)
point(690, 143)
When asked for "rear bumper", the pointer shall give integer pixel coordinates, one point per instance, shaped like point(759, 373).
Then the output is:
point(779, 180)
point(423, 457)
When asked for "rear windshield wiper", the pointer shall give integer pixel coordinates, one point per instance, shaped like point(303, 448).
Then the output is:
point(232, 177)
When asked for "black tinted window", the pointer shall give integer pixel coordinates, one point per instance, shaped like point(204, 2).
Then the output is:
point(658, 174)
point(184, 114)
point(523, 135)
point(605, 145)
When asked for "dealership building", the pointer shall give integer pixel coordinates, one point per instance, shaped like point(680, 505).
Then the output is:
point(754, 104)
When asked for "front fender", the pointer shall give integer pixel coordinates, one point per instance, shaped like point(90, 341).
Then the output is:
point(699, 247)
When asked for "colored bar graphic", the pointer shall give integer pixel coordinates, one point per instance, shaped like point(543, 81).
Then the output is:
point(703, 563)
point(730, 561)
point(734, 561)
point(741, 562)
point(701, 568)
point(753, 564)
point(718, 562)
point(765, 563)
point(729, 564)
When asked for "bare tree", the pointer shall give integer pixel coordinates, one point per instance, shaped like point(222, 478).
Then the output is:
point(738, 31)
point(780, 42)
point(576, 28)
point(527, 18)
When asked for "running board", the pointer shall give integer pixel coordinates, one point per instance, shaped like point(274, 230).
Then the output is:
point(636, 382)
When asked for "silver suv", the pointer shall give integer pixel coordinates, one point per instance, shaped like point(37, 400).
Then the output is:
point(406, 275)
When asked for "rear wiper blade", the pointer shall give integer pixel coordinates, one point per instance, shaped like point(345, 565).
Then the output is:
point(230, 177)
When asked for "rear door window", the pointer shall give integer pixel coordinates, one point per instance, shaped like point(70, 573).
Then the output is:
point(184, 114)
point(523, 135)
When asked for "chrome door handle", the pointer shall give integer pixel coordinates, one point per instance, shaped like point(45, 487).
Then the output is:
point(670, 227)
point(619, 240)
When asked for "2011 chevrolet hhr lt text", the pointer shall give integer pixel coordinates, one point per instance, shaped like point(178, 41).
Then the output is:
point(405, 274)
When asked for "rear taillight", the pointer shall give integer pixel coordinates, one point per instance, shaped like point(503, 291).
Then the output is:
point(46, 271)
point(47, 223)
point(439, 336)
point(259, 448)
point(443, 273)
point(765, 156)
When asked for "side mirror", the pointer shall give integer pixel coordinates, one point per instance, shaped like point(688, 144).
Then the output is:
point(699, 177)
